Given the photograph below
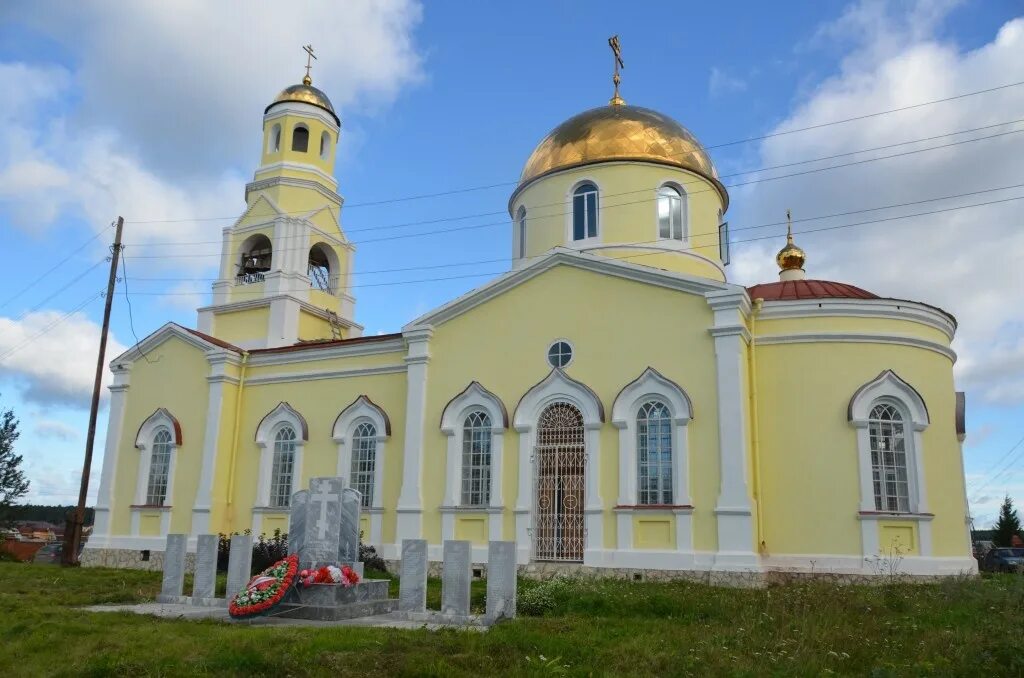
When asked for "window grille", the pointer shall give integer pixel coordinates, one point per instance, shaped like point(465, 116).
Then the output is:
point(159, 468)
point(364, 461)
point(560, 461)
point(476, 460)
point(584, 212)
point(654, 454)
point(671, 213)
point(319, 270)
point(283, 468)
point(889, 459)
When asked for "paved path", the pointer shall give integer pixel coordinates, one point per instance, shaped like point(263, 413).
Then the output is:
point(180, 611)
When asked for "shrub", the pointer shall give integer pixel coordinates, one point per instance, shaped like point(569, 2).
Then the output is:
point(538, 599)
point(267, 551)
point(370, 557)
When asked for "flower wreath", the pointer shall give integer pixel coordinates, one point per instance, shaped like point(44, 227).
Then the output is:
point(265, 590)
point(329, 574)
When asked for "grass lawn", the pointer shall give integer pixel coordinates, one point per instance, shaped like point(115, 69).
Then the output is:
point(598, 628)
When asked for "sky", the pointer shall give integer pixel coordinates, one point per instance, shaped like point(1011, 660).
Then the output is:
point(153, 111)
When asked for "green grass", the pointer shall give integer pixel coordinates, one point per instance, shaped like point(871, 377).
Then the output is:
point(599, 628)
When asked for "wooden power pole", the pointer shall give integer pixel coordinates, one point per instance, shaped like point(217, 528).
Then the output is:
point(73, 529)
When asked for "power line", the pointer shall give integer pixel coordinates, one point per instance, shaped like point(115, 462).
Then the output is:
point(709, 235)
point(602, 206)
point(60, 289)
point(977, 491)
point(50, 270)
point(712, 146)
point(643, 254)
point(49, 327)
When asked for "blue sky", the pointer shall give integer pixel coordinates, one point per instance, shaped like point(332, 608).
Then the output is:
point(154, 112)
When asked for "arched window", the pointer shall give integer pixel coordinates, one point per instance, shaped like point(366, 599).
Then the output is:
point(325, 145)
point(300, 139)
point(654, 454)
point(364, 461)
point(256, 256)
point(476, 460)
point(319, 269)
point(274, 142)
point(521, 232)
point(671, 213)
point(159, 469)
point(283, 467)
point(584, 211)
point(889, 459)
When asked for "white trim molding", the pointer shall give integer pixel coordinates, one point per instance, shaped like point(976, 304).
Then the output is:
point(160, 420)
point(363, 410)
point(857, 338)
point(219, 363)
point(474, 398)
point(111, 453)
point(409, 523)
point(651, 385)
point(555, 387)
point(893, 309)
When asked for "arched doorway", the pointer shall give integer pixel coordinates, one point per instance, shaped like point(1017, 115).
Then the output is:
point(560, 461)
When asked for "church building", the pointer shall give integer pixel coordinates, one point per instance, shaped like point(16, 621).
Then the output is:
point(611, 403)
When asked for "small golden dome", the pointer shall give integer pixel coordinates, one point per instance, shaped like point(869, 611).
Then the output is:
point(620, 132)
point(790, 257)
point(307, 94)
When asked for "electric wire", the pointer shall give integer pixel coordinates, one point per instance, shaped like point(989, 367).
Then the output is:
point(976, 493)
point(6, 354)
point(50, 270)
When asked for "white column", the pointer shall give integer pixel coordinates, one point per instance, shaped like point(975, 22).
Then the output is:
point(219, 362)
point(734, 514)
point(410, 500)
point(524, 494)
point(115, 427)
point(594, 507)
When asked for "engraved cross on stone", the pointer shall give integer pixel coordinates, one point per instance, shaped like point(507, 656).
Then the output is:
point(323, 495)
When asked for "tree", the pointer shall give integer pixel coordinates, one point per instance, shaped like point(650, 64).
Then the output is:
point(1007, 525)
point(13, 483)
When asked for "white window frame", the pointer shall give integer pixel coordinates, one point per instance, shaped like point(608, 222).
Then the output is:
point(551, 345)
point(364, 410)
point(684, 240)
point(279, 441)
point(266, 434)
point(570, 214)
point(473, 398)
point(161, 419)
point(889, 388)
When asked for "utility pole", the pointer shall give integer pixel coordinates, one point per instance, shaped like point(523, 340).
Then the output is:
point(73, 528)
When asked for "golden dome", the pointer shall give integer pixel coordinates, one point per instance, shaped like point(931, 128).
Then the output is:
point(306, 94)
point(620, 132)
point(790, 257)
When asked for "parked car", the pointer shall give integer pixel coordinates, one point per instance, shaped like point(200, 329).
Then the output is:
point(1003, 559)
point(49, 553)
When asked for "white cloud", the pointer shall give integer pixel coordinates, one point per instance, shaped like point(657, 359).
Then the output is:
point(721, 83)
point(53, 362)
point(51, 428)
point(966, 261)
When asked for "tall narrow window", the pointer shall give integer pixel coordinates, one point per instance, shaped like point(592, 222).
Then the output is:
point(654, 454)
point(282, 469)
point(521, 232)
point(300, 139)
point(889, 459)
point(476, 460)
point(671, 213)
point(584, 212)
point(723, 242)
point(364, 461)
point(325, 145)
point(159, 468)
point(275, 139)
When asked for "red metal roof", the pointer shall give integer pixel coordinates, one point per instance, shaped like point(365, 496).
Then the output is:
point(807, 289)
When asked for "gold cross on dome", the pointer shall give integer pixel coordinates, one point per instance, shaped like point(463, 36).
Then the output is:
point(309, 64)
point(613, 42)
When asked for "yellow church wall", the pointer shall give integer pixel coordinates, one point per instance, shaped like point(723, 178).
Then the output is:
point(175, 379)
point(239, 327)
point(353, 362)
point(472, 527)
point(833, 323)
point(627, 195)
point(313, 326)
point(503, 343)
point(654, 530)
point(288, 123)
point(671, 261)
point(808, 450)
point(319, 402)
point(898, 538)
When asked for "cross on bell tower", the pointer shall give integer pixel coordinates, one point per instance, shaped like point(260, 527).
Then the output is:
point(309, 63)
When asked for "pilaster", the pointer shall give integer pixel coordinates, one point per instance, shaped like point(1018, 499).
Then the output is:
point(410, 500)
point(219, 362)
point(115, 430)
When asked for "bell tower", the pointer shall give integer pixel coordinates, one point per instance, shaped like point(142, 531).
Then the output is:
point(285, 269)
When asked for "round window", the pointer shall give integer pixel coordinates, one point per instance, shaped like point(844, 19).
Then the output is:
point(560, 354)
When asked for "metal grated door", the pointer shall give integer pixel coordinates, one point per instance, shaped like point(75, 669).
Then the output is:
point(560, 461)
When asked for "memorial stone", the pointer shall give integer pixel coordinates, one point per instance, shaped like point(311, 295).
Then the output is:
point(412, 583)
point(239, 564)
point(204, 583)
point(297, 521)
point(501, 580)
point(455, 578)
point(348, 540)
point(174, 568)
point(321, 532)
